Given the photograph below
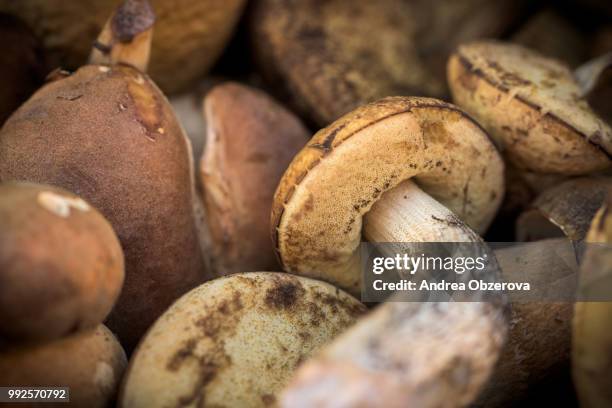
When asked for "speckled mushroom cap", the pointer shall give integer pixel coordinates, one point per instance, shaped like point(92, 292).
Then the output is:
point(532, 106)
point(323, 54)
point(235, 341)
point(346, 167)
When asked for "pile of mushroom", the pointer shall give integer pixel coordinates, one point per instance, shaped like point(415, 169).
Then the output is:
point(207, 249)
point(52, 304)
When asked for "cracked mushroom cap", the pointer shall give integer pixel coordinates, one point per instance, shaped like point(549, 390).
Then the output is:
point(91, 363)
point(346, 167)
point(235, 341)
point(61, 264)
point(565, 210)
point(250, 142)
point(532, 106)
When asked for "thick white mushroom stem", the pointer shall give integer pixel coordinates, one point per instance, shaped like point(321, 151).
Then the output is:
point(428, 354)
point(126, 36)
point(408, 214)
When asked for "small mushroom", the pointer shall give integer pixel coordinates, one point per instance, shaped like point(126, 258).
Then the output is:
point(331, 57)
point(591, 337)
point(565, 210)
point(61, 265)
point(108, 134)
point(190, 35)
point(250, 141)
point(533, 106)
point(91, 364)
point(235, 341)
point(359, 171)
point(22, 64)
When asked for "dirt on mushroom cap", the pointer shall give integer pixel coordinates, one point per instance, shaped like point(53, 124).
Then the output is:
point(235, 340)
point(345, 168)
point(323, 53)
point(61, 264)
point(532, 106)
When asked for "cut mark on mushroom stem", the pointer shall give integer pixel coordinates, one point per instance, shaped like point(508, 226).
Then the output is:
point(60, 205)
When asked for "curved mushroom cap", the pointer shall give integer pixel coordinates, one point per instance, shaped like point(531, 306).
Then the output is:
point(532, 106)
point(90, 363)
point(250, 142)
point(235, 341)
point(324, 55)
point(61, 265)
point(189, 35)
point(346, 167)
point(564, 210)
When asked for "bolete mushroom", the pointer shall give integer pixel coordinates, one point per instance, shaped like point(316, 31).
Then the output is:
point(533, 106)
point(61, 265)
point(108, 134)
point(190, 35)
point(235, 341)
point(22, 64)
point(90, 363)
point(591, 338)
point(539, 338)
point(250, 141)
point(360, 170)
point(564, 210)
point(331, 57)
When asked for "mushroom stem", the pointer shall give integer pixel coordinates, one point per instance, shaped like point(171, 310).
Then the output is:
point(406, 214)
point(126, 36)
point(453, 346)
point(587, 75)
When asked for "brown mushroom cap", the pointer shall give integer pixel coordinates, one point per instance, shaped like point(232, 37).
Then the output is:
point(564, 210)
point(189, 35)
point(235, 341)
point(111, 137)
point(61, 265)
point(91, 364)
point(346, 167)
point(334, 56)
point(532, 105)
point(591, 336)
point(250, 142)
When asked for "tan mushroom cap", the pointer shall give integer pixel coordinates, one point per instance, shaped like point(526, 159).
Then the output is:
point(532, 106)
point(346, 167)
point(251, 140)
point(61, 264)
point(235, 341)
point(564, 210)
point(91, 364)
